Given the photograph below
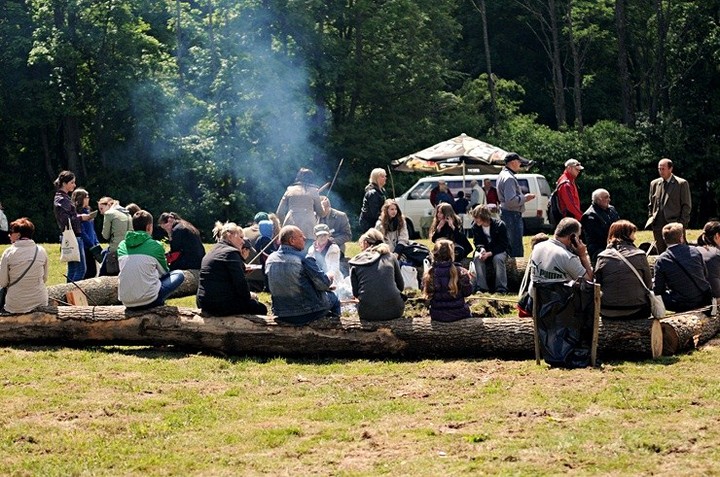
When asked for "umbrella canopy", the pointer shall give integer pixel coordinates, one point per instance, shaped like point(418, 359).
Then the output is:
point(460, 155)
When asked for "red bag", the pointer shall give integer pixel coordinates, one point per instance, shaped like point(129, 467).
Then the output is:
point(171, 257)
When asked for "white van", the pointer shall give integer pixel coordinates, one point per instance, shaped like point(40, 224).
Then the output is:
point(415, 202)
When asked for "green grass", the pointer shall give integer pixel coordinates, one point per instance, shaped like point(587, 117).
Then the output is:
point(142, 411)
point(157, 411)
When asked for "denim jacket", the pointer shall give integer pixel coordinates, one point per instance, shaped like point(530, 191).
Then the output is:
point(296, 283)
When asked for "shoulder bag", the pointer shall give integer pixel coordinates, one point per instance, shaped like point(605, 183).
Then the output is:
point(69, 248)
point(3, 291)
point(657, 306)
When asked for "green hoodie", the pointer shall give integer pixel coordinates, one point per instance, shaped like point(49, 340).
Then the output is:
point(141, 243)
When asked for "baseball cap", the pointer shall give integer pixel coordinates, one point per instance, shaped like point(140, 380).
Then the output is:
point(514, 156)
point(574, 163)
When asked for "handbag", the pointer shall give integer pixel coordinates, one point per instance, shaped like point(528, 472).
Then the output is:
point(3, 290)
point(524, 304)
point(657, 305)
point(69, 248)
point(112, 265)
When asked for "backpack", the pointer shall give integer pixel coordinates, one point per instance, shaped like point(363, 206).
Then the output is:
point(414, 253)
point(554, 213)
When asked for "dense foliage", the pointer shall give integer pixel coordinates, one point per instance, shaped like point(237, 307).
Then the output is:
point(209, 107)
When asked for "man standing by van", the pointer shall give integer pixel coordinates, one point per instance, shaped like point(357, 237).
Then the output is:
point(512, 202)
point(567, 191)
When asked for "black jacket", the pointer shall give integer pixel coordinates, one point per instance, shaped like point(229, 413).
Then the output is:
point(223, 289)
point(499, 241)
point(596, 223)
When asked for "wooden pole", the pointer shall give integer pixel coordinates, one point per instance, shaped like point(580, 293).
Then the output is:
point(596, 324)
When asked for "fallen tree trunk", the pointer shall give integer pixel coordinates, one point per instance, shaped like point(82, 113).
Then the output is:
point(103, 290)
point(684, 331)
point(346, 336)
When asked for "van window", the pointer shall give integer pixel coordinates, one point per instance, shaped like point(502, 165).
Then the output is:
point(544, 187)
point(421, 191)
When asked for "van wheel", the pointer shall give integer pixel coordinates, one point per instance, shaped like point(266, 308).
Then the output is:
point(411, 230)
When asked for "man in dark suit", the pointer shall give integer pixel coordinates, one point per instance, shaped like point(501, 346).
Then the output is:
point(669, 202)
point(680, 274)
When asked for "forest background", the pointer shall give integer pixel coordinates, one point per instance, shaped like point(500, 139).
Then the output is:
point(208, 108)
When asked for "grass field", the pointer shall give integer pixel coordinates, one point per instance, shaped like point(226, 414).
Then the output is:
point(160, 411)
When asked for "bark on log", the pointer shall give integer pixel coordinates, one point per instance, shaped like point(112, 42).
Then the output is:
point(102, 291)
point(347, 336)
point(685, 331)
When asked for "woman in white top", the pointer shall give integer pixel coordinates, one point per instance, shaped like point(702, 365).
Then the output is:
point(24, 266)
point(326, 252)
point(392, 225)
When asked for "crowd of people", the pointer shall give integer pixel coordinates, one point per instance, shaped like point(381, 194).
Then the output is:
point(297, 253)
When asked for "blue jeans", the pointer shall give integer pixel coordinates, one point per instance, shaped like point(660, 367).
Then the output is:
point(498, 262)
point(168, 284)
point(307, 318)
point(76, 270)
point(514, 223)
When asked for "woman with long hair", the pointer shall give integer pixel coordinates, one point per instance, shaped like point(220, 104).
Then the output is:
point(66, 215)
point(186, 247)
point(81, 199)
point(708, 244)
point(373, 199)
point(623, 296)
point(446, 284)
point(447, 225)
point(392, 225)
point(301, 205)
point(376, 279)
point(223, 289)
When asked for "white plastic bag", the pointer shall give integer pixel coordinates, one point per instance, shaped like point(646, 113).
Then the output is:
point(69, 248)
point(409, 275)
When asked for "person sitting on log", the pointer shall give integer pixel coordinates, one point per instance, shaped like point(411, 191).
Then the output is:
point(145, 280)
point(186, 247)
point(446, 284)
point(376, 279)
point(491, 245)
point(24, 269)
point(562, 258)
point(447, 225)
point(223, 289)
point(680, 273)
point(623, 296)
point(709, 247)
point(300, 291)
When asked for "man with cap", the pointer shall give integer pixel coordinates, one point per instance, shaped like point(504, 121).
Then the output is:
point(512, 201)
point(669, 202)
point(567, 191)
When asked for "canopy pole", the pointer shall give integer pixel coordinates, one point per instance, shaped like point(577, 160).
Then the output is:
point(392, 181)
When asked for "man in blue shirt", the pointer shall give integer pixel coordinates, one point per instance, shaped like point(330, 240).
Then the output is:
point(512, 202)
